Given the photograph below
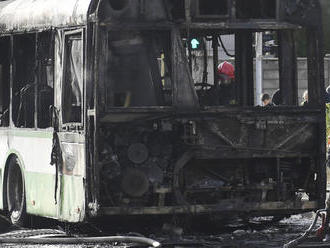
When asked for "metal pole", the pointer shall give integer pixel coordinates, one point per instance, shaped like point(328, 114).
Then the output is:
point(259, 58)
point(215, 46)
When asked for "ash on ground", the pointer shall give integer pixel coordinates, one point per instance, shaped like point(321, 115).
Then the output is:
point(258, 232)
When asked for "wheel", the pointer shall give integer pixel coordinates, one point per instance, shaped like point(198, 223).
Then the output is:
point(16, 193)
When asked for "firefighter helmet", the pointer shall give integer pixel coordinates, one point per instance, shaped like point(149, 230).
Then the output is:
point(227, 69)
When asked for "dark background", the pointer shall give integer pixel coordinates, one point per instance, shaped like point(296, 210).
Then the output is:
point(326, 24)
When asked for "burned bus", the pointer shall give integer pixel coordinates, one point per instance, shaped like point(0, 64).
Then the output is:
point(103, 115)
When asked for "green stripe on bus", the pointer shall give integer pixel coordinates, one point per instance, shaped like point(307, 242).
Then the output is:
point(27, 133)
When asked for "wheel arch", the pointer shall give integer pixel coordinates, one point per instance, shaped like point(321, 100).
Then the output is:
point(11, 155)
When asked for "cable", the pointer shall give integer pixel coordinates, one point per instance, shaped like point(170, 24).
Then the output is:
point(224, 48)
point(204, 80)
point(73, 241)
point(294, 243)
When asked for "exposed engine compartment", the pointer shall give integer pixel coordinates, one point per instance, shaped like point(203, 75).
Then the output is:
point(137, 163)
point(172, 163)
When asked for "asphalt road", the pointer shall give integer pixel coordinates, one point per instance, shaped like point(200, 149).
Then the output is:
point(235, 235)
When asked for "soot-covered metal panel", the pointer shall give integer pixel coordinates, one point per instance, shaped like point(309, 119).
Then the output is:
point(28, 15)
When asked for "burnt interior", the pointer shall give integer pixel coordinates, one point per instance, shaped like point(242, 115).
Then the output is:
point(24, 80)
point(31, 58)
point(166, 138)
point(138, 69)
point(45, 79)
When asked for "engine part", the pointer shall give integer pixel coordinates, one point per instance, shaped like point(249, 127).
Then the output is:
point(111, 170)
point(135, 183)
point(155, 174)
point(137, 153)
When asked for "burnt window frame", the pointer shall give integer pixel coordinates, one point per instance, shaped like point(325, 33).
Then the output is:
point(66, 34)
point(40, 66)
point(37, 77)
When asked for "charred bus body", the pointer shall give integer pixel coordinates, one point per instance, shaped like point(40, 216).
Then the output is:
point(186, 155)
point(134, 133)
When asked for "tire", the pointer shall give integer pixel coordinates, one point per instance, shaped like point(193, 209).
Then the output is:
point(16, 193)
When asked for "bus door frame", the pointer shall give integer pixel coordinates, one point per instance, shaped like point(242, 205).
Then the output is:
point(73, 133)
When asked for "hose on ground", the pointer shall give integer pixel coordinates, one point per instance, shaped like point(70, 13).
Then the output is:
point(89, 240)
point(294, 243)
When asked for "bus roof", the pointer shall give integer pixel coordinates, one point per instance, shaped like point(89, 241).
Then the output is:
point(31, 15)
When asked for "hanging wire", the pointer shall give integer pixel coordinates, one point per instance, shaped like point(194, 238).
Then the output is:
point(224, 48)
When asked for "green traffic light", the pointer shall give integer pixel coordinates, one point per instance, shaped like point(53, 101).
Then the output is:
point(194, 43)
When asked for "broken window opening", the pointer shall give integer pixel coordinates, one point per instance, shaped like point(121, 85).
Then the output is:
point(139, 70)
point(206, 55)
point(24, 80)
point(45, 98)
point(4, 81)
point(73, 79)
point(279, 68)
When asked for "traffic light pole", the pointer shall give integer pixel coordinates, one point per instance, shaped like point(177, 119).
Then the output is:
point(259, 58)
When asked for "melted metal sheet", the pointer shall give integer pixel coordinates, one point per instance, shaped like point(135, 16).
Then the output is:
point(28, 15)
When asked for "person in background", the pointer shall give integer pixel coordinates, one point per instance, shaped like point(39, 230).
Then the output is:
point(305, 98)
point(266, 100)
point(226, 88)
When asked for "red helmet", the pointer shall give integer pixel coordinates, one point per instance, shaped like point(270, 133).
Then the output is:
point(227, 69)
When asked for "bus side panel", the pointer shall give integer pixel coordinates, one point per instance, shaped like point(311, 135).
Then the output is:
point(72, 179)
point(72, 199)
point(40, 193)
point(33, 149)
point(71, 191)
